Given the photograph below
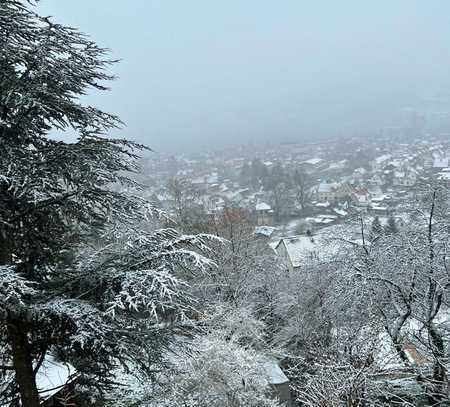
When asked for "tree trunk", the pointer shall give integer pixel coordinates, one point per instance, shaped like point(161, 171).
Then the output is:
point(23, 366)
point(440, 380)
point(5, 247)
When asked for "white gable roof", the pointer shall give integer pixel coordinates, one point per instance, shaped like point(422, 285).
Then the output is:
point(306, 249)
point(262, 206)
point(313, 161)
point(276, 375)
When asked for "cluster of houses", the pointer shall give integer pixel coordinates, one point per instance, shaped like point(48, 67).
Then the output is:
point(385, 184)
point(337, 183)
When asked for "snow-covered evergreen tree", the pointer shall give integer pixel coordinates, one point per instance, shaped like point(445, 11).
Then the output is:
point(78, 276)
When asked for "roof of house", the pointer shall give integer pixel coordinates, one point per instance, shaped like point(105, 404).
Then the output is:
point(302, 249)
point(322, 204)
point(262, 206)
point(53, 376)
point(386, 357)
point(313, 161)
point(340, 212)
point(274, 372)
point(264, 230)
point(379, 208)
point(382, 158)
point(325, 187)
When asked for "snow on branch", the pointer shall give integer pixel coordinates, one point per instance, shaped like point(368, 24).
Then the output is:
point(84, 324)
point(13, 288)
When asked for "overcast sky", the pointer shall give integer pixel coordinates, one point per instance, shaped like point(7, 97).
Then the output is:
point(207, 72)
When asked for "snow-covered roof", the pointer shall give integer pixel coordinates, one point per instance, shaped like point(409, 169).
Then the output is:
point(313, 161)
point(322, 204)
point(264, 230)
point(338, 165)
point(262, 206)
point(379, 208)
point(325, 187)
point(198, 180)
point(324, 221)
point(302, 249)
point(340, 212)
point(326, 216)
point(53, 376)
point(382, 158)
point(386, 355)
point(274, 372)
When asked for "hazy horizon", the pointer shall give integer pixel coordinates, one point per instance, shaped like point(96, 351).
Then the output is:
point(208, 74)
